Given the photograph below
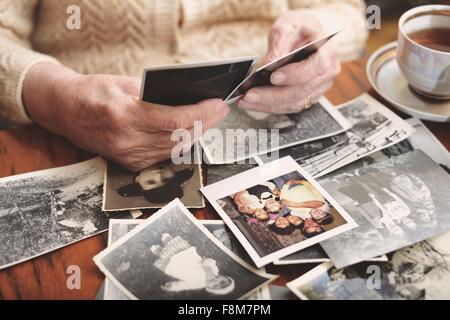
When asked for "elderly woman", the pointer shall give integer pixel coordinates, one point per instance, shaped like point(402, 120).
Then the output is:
point(84, 83)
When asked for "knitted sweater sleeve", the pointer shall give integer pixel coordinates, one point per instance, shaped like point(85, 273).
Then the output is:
point(16, 58)
point(346, 15)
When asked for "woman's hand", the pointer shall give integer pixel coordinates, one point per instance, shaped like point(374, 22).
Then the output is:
point(297, 84)
point(102, 114)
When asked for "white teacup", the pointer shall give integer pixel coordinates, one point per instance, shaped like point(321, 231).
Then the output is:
point(425, 67)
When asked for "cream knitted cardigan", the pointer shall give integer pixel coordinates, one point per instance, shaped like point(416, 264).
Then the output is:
point(123, 37)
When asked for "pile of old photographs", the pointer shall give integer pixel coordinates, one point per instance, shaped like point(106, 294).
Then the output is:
point(355, 188)
point(370, 203)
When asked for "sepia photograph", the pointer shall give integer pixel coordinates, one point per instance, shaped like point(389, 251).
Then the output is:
point(45, 210)
point(396, 203)
point(320, 121)
point(417, 272)
point(276, 209)
point(172, 256)
point(374, 127)
point(152, 187)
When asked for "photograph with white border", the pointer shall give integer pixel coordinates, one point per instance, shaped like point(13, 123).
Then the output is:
point(396, 202)
point(173, 256)
point(46, 210)
point(221, 232)
point(314, 254)
point(240, 136)
point(118, 228)
point(155, 186)
point(374, 127)
point(277, 209)
point(417, 272)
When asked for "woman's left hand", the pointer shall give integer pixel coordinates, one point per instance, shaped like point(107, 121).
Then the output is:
point(295, 85)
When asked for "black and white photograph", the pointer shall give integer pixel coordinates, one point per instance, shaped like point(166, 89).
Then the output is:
point(222, 233)
point(422, 139)
point(319, 121)
point(281, 293)
point(374, 127)
point(219, 172)
point(396, 203)
point(194, 82)
point(417, 272)
point(314, 254)
point(120, 227)
point(117, 228)
point(152, 187)
point(277, 209)
point(45, 210)
point(261, 77)
point(171, 256)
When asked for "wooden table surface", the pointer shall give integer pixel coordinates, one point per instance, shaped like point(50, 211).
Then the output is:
point(32, 148)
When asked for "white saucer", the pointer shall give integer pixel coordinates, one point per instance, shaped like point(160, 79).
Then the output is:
point(385, 77)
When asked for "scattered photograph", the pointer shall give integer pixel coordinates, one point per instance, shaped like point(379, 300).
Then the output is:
point(422, 139)
point(396, 202)
point(172, 256)
point(320, 121)
point(374, 127)
point(281, 293)
point(314, 254)
point(261, 76)
point(219, 172)
point(418, 272)
point(45, 210)
point(152, 187)
point(277, 209)
point(117, 229)
point(221, 232)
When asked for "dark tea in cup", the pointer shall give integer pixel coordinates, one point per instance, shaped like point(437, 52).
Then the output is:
point(434, 38)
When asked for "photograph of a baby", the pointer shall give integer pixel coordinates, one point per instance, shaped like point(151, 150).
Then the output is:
point(280, 212)
point(198, 272)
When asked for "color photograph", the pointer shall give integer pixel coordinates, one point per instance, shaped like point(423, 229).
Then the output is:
point(275, 217)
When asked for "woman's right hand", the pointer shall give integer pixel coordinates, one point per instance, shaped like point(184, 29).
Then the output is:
point(103, 114)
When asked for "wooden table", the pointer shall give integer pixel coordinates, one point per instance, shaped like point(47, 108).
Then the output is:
point(32, 148)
